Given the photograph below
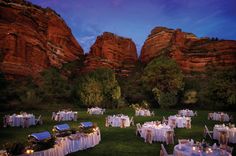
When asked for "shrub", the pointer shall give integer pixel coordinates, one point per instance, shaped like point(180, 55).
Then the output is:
point(30, 99)
point(167, 100)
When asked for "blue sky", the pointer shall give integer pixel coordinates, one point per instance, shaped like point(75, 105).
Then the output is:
point(135, 18)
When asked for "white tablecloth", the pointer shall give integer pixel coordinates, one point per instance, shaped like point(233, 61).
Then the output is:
point(158, 132)
point(142, 112)
point(66, 145)
point(187, 150)
point(231, 132)
point(19, 120)
point(217, 116)
point(186, 112)
point(65, 116)
point(180, 121)
point(95, 111)
point(116, 121)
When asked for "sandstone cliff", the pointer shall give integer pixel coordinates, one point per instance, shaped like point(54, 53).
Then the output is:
point(191, 53)
point(112, 51)
point(33, 38)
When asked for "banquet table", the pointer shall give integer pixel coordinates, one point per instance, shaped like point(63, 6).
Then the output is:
point(218, 116)
point(142, 112)
point(188, 150)
point(116, 120)
point(186, 112)
point(180, 121)
point(71, 144)
point(231, 132)
point(65, 116)
point(21, 120)
point(158, 132)
point(95, 111)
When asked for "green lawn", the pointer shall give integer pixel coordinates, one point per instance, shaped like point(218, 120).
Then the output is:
point(115, 141)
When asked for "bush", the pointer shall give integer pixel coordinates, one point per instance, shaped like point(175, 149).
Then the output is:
point(121, 103)
point(30, 99)
point(167, 100)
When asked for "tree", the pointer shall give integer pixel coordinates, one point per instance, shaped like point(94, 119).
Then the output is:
point(221, 88)
point(164, 78)
point(3, 89)
point(164, 74)
point(98, 87)
point(90, 92)
point(53, 85)
point(110, 87)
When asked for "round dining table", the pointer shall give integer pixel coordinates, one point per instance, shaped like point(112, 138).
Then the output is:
point(180, 120)
point(193, 150)
point(142, 112)
point(65, 116)
point(116, 120)
point(231, 133)
point(158, 131)
point(22, 119)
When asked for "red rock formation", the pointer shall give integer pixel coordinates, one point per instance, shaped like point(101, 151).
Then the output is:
point(112, 51)
point(33, 38)
point(191, 53)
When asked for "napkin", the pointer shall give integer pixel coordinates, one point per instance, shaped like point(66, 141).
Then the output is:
point(191, 142)
point(214, 146)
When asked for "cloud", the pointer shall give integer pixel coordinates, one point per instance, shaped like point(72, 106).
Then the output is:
point(207, 18)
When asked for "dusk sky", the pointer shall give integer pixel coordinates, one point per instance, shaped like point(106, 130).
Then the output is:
point(136, 18)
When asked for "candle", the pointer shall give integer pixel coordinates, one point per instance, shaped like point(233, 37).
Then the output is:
point(29, 151)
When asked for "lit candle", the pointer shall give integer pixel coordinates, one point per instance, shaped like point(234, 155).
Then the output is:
point(29, 151)
point(194, 148)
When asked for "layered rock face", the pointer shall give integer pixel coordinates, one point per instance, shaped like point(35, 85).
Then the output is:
point(191, 53)
point(33, 38)
point(112, 51)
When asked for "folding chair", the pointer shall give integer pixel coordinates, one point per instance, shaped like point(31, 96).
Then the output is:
point(163, 151)
point(207, 132)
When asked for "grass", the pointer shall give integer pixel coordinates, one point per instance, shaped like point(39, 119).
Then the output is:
point(115, 141)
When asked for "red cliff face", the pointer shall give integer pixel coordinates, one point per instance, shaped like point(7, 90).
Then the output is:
point(191, 53)
point(112, 51)
point(33, 38)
